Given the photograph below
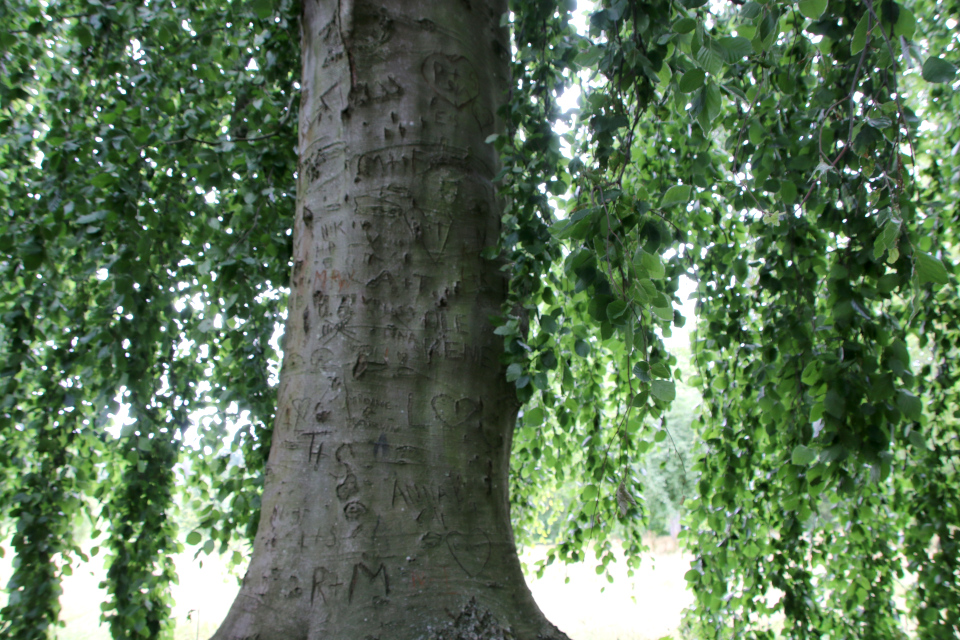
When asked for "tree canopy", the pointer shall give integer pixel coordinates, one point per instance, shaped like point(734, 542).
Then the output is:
point(796, 161)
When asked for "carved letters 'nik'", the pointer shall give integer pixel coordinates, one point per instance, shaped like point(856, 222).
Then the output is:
point(385, 506)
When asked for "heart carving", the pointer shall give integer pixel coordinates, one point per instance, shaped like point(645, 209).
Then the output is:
point(452, 77)
point(454, 413)
point(431, 230)
point(472, 554)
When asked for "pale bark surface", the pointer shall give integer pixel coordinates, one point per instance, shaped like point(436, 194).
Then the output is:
point(385, 513)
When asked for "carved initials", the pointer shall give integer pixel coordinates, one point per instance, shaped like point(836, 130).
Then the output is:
point(371, 577)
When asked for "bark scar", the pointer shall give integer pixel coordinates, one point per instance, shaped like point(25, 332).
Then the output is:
point(346, 44)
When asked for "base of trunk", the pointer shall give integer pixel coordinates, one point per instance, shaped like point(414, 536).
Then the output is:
point(475, 623)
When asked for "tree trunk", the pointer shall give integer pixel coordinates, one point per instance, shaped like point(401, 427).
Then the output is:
point(385, 513)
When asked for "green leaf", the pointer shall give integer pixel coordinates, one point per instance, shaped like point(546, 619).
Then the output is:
point(676, 194)
point(589, 493)
point(642, 370)
point(859, 40)
point(816, 412)
point(646, 290)
point(888, 283)
point(684, 25)
point(548, 359)
point(665, 74)
point(751, 11)
point(589, 57)
point(548, 324)
point(263, 8)
point(734, 48)
point(103, 180)
point(194, 537)
point(836, 452)
point(692, 80)
point(938, 70)
point(662, 308)
point(931, 269)
point(803, 455)
point(649, 265)
point(834, 404)
point(906, 24)
point(664, 390)
point(533, 417)
point(32, 254)
point(514, 371)
point(768, 29)
point(710, 98)
point(886, 239)
point(141, 134)
point(788, 191)
point(616, 309)
point(916, 439)
point(508, 329)
point(812, 9)
point(710, 58)
point(909, 405)
point(582, 348)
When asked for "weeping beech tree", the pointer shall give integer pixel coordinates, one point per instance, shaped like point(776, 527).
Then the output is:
point(385, 505)
point(396, 184)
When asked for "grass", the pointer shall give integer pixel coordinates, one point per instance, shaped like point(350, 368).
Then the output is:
point(576, 599)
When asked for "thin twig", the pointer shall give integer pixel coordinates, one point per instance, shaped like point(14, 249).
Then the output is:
point(849, 97)
point(214, 143)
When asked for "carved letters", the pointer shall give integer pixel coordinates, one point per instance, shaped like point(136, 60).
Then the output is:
point(360, 570)
point(362, 94)
point(312, 167)
point(451, 77)
point(322, 577)
point(431, 229)
point(315, 451)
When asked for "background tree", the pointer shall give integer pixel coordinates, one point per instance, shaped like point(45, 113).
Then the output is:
point(796, 160)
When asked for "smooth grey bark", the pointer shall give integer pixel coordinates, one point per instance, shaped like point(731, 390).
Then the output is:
point(385, 513)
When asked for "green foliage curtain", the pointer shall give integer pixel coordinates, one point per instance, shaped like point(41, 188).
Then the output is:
point(148, 151)
point(797, 161)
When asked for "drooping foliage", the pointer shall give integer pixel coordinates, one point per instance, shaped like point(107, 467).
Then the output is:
point(797, 162)
point(147, 152)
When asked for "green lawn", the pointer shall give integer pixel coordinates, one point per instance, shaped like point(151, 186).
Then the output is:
point(645, 607)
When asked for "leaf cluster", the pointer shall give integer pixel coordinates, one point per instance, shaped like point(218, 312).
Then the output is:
point(774, 154)
point(145, 203)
